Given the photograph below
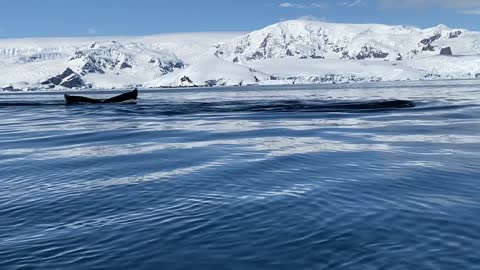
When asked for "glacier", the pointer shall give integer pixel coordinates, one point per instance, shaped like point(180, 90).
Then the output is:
point(289, 52)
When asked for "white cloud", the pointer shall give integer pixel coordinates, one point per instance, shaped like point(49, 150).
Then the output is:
point(298, 5)
point(313, 18)
point(475, 11)
point(456, 4)
point(291, 5)
point(318, 5)
point(92, 31)
point(468, 7)
point(353, 3)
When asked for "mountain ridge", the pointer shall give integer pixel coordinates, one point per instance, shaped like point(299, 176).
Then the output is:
point(311, 39)
point(290, 52)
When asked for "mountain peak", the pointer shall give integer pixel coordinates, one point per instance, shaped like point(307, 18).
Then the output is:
point(313, 39)
point(295, 51)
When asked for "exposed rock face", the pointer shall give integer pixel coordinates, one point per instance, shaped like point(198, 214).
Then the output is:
point(125, 65)
point(288, 51)
point(100, 57)
point(369, 52)
point(431, 39)
point(431, 76)
point(167, 65)
point(212, 83)
point(327, 79)
point(446, 51)
point(114, 58)
point(8, 88)
point(455, 34)
point(310, 39)
point(68, 79)
point(73, 82)
point(427, 43)
point(103, 57)
point(429, 48)
point(277, 41)
point(186, 81)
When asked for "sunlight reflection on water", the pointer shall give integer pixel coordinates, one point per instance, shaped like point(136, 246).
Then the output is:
point(150, 186)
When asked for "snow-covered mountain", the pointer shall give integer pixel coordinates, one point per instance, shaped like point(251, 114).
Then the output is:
point(112, 59)
point(112, 62)
point(209, 70)
point(298, 51)
point(307, 39)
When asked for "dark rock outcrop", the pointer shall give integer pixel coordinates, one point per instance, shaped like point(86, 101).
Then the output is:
point(446, 51)
point(329, 78)
point(167, 65)
point(429, 48)
point(369, 52)
point(73, 82)
point(431, 76)
point(56, 80)
point(113, 57)
point(431, 39)
point(211, 83)
point(427, 43)
point(101, 57)
point(311, 40)
point(90, 63)
point(10, 88)
point(256, 56)
point(125, 65)
point(455, 34)
point(68, 79)
point(186, 81)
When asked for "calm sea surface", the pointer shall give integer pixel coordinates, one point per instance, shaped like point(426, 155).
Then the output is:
point(243, 178)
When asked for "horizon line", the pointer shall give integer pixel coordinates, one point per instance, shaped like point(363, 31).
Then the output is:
point(87, 36)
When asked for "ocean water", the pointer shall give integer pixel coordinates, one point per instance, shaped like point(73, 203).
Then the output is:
point(243, 178)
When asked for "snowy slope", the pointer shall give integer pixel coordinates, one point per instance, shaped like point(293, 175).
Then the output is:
point(103, 62)
point(209, 70)
point(311, 39)
point(305, 71)
point(297, 52)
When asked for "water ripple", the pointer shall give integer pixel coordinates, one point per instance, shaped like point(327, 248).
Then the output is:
point(250, 178)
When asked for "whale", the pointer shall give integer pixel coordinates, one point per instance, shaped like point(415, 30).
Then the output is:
point(125, 97)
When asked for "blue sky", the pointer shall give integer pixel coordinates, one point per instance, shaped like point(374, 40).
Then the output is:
point(50, 18)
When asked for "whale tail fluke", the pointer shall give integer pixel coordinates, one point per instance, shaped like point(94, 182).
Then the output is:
point(125, 97)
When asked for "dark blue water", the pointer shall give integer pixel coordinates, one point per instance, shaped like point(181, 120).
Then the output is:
point(203, 179)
